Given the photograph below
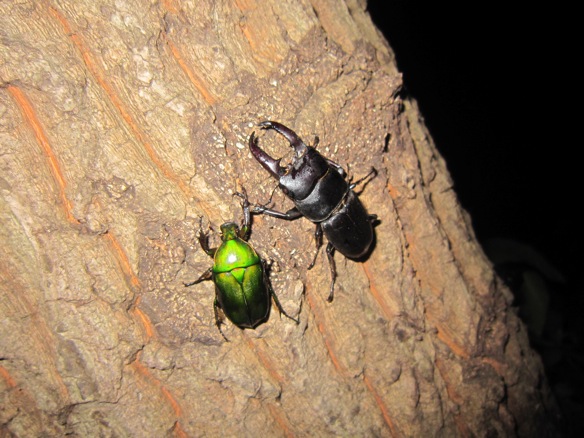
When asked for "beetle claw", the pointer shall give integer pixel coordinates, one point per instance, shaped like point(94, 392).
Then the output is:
point(295, 141)
point(270, 164)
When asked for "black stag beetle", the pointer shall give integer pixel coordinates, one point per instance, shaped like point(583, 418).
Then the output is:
point(321, 194)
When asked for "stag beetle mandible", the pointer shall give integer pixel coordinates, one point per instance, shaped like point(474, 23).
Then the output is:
point(320, 192)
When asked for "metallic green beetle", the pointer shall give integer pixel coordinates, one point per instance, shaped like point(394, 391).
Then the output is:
point(242, 288)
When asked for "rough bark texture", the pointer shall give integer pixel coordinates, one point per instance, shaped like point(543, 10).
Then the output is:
point(122, 123)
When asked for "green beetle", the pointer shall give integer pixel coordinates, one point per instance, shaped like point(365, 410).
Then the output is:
point(242, 287)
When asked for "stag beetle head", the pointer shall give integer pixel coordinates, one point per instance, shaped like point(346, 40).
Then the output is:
point(297, 179)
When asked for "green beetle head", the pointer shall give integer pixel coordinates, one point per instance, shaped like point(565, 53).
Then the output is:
point(229, 231)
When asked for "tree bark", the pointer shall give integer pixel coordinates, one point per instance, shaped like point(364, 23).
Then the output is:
point(122, 124)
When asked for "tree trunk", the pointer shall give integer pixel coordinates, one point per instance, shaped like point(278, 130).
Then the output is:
point(122, 124)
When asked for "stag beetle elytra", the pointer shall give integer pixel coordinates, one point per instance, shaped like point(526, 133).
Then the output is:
point(242, 287)
point(321, 193)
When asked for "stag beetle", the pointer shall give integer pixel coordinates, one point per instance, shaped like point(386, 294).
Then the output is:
point(242, 287)
point(320, 192)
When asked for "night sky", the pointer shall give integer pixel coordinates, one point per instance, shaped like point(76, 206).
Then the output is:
point(499, 98)
point(493, 98)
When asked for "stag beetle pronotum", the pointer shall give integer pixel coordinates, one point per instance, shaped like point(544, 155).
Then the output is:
point(242, 287)
point(320, 193)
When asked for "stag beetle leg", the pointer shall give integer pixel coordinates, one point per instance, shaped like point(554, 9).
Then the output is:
point(290, 215)
point(330, 251)
point(318, 242)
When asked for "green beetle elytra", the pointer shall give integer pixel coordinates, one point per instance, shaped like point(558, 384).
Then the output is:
point(242, 287)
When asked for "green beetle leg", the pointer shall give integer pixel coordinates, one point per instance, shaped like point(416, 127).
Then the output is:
point(204, 240)
point(207, 275)
point(246, 225)
point(219, 318)
point(268, 285)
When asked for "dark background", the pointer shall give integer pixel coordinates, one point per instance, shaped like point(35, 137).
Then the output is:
point(498, 96)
